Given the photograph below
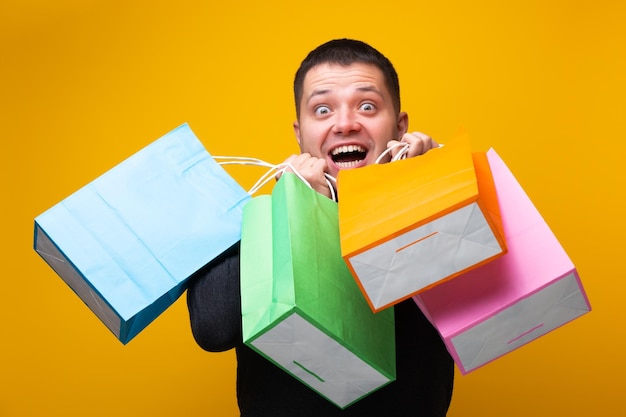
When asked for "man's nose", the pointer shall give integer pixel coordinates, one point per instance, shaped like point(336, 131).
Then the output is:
point(346, 122)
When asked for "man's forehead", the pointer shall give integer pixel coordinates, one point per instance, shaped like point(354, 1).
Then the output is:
point(331, 73)
point(327, 78)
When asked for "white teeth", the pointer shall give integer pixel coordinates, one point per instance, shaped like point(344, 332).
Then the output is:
point(346, 149)
point(346, 165)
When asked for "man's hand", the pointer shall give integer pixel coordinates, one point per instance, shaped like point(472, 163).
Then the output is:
point(311, 169)
point(419, 143)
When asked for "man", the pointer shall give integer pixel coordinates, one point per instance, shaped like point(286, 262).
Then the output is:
point(348, 113)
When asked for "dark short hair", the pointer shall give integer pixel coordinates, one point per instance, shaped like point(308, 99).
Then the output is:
point(346, 52)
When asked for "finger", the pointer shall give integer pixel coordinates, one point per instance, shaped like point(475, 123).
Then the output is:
point(309, 167)
point(318, 178)
point(415, 142)
point(286, 163)
point(312, 170)
point(429, 142)
point(319, 165)
point(419, 143)
point(295, 162)
point(394, 147)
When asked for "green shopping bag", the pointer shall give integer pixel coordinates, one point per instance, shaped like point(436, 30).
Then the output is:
point(301, 307)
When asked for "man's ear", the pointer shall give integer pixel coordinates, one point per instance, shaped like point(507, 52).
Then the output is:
point(296, 130)
point(403, 124)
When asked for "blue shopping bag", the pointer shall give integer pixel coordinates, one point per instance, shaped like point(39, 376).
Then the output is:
point(127, 242)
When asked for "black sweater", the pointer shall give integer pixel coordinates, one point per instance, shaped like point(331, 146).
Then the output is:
point(425, 370)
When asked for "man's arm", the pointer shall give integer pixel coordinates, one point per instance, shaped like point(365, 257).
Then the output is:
point(214, 303)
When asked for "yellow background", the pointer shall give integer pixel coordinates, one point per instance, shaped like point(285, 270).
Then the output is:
point(86, 83)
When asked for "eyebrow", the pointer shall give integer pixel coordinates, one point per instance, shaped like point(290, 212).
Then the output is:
point(364, 89)
point(317, 93)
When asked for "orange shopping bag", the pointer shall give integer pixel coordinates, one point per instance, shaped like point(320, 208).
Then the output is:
point(410, 224)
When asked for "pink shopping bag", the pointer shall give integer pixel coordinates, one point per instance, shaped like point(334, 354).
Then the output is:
point(502, 305)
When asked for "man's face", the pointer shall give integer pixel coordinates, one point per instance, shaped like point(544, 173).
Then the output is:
point(347, 115)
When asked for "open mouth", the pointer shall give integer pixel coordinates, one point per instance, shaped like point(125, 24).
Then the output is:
point(348, 156)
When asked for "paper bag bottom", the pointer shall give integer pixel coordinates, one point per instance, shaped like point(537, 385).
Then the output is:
point(521, 323)
point(124, 328)
point(319, 361)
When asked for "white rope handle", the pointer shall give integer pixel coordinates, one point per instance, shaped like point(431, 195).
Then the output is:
point(330, 180)
point(244, 160)
point(264, 179)
point(241, 160)
point(276, 169)
point(402, 153)
point(273, 170)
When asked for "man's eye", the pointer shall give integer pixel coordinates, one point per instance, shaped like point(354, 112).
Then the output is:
point(322, 110)
point(367, 107)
